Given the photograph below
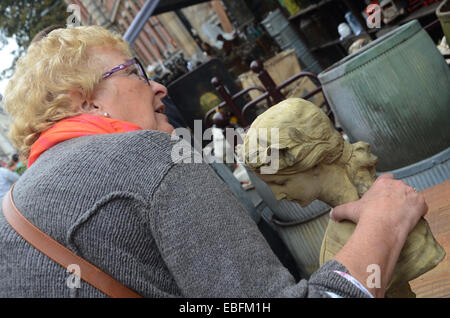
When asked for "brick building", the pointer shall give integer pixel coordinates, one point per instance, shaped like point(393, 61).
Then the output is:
point(162, 36)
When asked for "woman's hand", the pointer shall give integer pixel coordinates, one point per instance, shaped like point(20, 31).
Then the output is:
point(388, 201)
point(385, 215)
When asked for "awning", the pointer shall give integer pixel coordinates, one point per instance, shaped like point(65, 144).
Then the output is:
point(171, 5)
point(153, 7)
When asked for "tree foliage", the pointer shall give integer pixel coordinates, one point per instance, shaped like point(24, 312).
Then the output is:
point(23, 19)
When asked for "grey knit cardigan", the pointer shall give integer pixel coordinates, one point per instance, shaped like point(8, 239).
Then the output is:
point(162, 228)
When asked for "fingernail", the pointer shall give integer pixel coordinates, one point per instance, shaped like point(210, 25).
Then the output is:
point(331, 214)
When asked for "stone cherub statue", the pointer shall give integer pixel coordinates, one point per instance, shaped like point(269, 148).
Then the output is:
point(314, 162)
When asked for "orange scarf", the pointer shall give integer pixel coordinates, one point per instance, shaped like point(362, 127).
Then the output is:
point(77, 126)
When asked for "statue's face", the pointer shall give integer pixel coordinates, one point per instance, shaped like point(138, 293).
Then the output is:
point(334, 184)
point(302, 187)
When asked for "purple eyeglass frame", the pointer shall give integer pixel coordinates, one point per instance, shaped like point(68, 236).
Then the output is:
point(123, 66)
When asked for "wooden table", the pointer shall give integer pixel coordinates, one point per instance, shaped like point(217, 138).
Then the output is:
point(436, 283)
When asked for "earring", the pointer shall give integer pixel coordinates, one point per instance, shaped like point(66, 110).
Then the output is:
point(106, 115)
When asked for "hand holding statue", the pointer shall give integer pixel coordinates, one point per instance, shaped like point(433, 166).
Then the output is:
point(401, 212)
point(374, 221)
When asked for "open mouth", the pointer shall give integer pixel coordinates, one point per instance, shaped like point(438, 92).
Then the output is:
point(160, 109)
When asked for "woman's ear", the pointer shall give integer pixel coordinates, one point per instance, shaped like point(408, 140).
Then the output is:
point(80, 103)
point(77, 100)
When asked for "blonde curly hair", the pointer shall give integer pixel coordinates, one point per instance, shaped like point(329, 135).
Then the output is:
point(36, 96)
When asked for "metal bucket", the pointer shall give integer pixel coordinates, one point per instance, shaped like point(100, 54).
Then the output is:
point(395, 95)
point(286, 37)
point(426, 173)
point(275, 22)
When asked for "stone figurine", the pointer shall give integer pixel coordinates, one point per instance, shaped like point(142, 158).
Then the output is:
point(310, 160)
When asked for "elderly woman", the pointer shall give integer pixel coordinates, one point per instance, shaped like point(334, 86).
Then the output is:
point(101, 182)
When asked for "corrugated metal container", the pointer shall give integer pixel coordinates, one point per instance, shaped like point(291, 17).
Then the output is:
point(286, 37)
point(395, 95)
point(304, 241)
point(426, 173)
point(308, 62)
point(275, 22)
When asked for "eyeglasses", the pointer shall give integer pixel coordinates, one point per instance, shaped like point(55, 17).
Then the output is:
point(139, 70)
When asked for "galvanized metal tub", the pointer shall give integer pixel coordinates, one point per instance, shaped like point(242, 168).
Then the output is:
point(275, 22)
point(303, 241)
point(395, 95)
point(426, 173)
point(286, 37)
